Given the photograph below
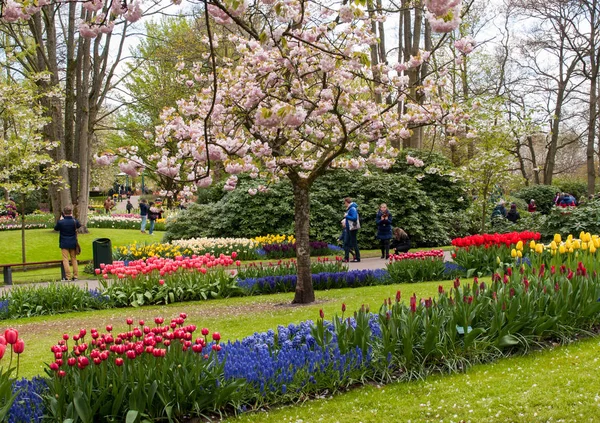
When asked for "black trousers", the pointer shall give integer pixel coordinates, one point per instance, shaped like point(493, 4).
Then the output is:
point(351, 244)
point(385, 247)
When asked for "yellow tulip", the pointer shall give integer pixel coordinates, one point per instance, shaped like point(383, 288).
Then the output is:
point(532, 244)
point(596, 243)
point(582, 235)
point(592, 248)
point(553, 245)
point(584, 245)
point(576, 244)
point(519, 246)
point(571, 250)
point(553, 252)
point(568, 244)
point(570, 237)
point(498, 260)
point(513, 253)
point(562, 249)
point(519, 254)
point(557, 238)
point(539, 248)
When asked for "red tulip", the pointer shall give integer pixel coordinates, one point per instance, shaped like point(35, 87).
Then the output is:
point(321, 313)
point(61, 373)
point(19, 346)
point(2, 350)
point(216, 336)
point(54, 367)
point(2, 340)
point(129, 321)
point(11, 335)
point(343, 307)
point(413, 303)
point(161, 281)
point(204, 331)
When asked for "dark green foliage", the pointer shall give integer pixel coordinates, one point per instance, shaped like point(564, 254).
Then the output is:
point(576, 188)
point(437, 178)
point(572, 220)
point(238, 214)
point(542, 194)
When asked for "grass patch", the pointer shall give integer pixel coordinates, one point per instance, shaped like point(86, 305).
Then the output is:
point(42, 244)
point(551, 385)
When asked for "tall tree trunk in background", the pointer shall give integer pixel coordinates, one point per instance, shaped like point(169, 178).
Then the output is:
point(536, 172)
point(594, 59)
point(304, 288)
point(411, 43)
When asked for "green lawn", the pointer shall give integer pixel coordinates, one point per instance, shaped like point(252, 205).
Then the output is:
point(42, 244)
point(554, 385)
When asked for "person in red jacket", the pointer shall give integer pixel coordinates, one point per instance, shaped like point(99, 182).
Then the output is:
point(532, 207)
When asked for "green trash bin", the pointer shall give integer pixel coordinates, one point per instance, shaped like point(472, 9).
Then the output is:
point(102, 250)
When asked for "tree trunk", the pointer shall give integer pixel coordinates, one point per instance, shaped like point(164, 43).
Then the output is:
point(23, 230)
point(304, 287)
point(594, 66)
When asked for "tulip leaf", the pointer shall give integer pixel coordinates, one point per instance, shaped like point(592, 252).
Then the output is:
point(132, 416)
point(508, 341)
point(82, 406)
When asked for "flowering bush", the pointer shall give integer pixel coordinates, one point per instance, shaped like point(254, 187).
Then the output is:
point(137, 251)
point(16, 227)
point(481, 253)
point(159, 372)
point(418, 267)
point(245, 248)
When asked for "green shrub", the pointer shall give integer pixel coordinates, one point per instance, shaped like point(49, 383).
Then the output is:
point(577, 189)
point(542, 194)
point(572, 220)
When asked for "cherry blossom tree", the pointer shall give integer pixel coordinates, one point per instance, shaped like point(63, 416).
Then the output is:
point(302, 100)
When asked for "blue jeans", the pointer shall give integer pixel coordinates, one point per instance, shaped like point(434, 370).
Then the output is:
point(144, 219)
point(151, 226)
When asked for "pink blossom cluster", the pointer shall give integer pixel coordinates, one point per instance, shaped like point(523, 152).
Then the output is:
point(443, 15)
point(465, 45)
point(414, 161)
point(165, 266)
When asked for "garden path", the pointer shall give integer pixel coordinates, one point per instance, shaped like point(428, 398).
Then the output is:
point(365, 264)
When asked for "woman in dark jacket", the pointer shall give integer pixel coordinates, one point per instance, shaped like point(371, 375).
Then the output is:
point(384, 230)
point(513, 215)
point(400, 241)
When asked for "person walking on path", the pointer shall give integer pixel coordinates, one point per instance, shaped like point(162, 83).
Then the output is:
point(384, 230)
point(352, 227)
point(129, 207)
point(67, 241)
point(109, 204)
point(143, 214)
point(154, 213)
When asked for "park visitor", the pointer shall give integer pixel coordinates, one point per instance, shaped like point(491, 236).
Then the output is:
point(143, 214)
point(129, 206)
point(108, 205)
point(384, 230)
point(400, 241)
point(352, 227)
point(154, 213)
point(67, 227)
point(343, 238)
point(499, 212)
point(513, 215)
point(532, 207)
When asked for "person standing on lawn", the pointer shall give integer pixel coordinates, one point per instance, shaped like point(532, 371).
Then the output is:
point(143, 214)
point(384, 230)
point(67, 241)
point(352, 227)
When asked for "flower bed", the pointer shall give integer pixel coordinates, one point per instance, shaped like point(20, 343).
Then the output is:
point(480, 253)
point(289, 267)
point(274, 239)
point(285, 250)
point(418, 267)
point(137, 251)
point(321, 281)
point(121, 221)
point(243, 247)
point(162, 370)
